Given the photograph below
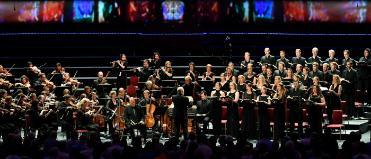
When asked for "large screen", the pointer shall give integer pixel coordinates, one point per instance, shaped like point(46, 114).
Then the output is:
point(207, 11)
point(20, 11)
point(344, 12)
point(141, 11)
point(238, 11)
point(294, 11)
point(53, 11)
point(173, 10)
point(263, 10)
point(108, 11)
point(83, 11)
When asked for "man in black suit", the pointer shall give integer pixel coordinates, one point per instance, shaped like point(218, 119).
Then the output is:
point(364, 73)
point(267, 58)
point(350, 74)
point(315, 57)
point(203, 111)
point(134, 118)
point(181, 103)
point(331, 58)
point(298, 59)
point(316, 72)
point(281, 70)
point(347, 58)
point(247, 60)
point(295, 105)
point(327, 76)
point(145, 72)
point(283, 59)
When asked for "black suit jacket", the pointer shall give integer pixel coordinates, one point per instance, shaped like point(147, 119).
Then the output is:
point(181, 104)
point(351, 76)
point(267, 60)
point(300, 60)
point(314, 59)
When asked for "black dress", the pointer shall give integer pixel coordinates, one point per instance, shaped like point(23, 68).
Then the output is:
point(263, 117)
point(249, 125)
point(315, 114)
point(333, 102)
point(279, 125)
point(232, 113)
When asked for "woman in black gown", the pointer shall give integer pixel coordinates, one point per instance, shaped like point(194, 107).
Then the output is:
point(317, 103)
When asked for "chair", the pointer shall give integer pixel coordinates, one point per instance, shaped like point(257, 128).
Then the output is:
point(224, 118)
point(132, 91)
point(134, 80)
point(337, 121)
point(271, 118)
point(240, 114)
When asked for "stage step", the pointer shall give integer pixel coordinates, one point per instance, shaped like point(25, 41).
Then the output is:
point(361, 125)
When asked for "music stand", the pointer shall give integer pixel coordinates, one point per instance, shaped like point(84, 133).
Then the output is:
point(59, 91)
point(168, 91)
point(103, 89)
point(168, 83)
point(57, 79)
point(207, 84)
point(156, 94)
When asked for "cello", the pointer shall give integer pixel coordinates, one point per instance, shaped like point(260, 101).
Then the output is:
point(149, 119)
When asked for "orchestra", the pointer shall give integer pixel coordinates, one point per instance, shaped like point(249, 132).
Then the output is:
point(301, 88)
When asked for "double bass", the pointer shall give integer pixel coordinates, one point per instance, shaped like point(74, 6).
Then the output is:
point(149, 119)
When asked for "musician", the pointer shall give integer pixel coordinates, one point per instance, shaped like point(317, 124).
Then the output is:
point(334, 96)
point(350, 74)
point(364, 73)
point(315, 109)
point(111, 107)
point(315, 71)
point(156, 61)
point(181, 103)
point(265, 101)
point(247, 60)
point(250, 75)
point(150, 85)
point(232, 110)
point(282, 59)
point(281, 70)
point(25, 82)
point(69, 81)
point(280, 111)
point(58, 68)
point(295, 105)
point(203, 111)
point(4, 72)
point(277, 81)
point(331, 58)
point(299, 69)
point(224, 82)
point(264, 70)
point(145, 72)
point(94, 99)
point(234, 71)
point(249, 120)
point(134, 119)
point(347, 58)
point(298, 59)
point(166, 73)
point(208, 75)
point(147, 99)
point(65, 109)
point(315, 57)
point(306, 79)
point(100, 79)
point(122, 95)
point(289, 75)
point(217, 92)
point(261, 82)
point(327, 76)
point(101, 91)
point(8, 105)
point(43, 81)
point(267, 58)
point(88, 91)
point(241, 83)
point(229, 75)
point(334, 69)
point(32, 72)
point(189, 86)
point(5, 84)
point(84, 112)
point(192, 72)
point(270, 76)
point(120, 66)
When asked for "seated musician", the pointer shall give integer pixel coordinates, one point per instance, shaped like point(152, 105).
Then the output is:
point(166, 73)
point(5, 84)
point(58, 69)
point(65, 109)
point(25, 82)
point(122, 95)
point(150, 85)
point(247, 60)
point(94, 99)
point(43, 81)
point(32, 71)
point(190, 88)
point(156, 61)
point(218, 92)
point(203, 111)
point(295, 96)
point(147, 99)
point(192, 72)
point(241, 83)
point(69, 81)
point(4, 72)
point(281, 70)
point(84, 111)
point(299, 69)
point(208, 75)
point(229, 75)
point(315, 109)
point(224, 83)
point(111, 107)
point(144, 72)
point(250, 74)
point(88, 91)
point(8, 106)
point(134, 118)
